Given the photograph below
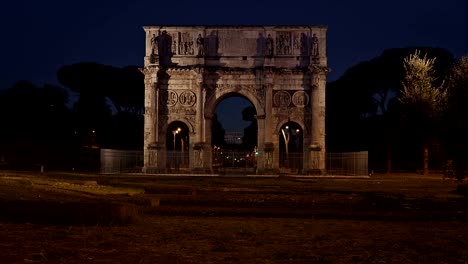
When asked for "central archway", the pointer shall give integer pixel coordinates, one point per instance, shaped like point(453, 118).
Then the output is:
point(234, 135)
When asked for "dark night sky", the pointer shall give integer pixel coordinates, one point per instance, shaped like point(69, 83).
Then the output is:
point(38, 37)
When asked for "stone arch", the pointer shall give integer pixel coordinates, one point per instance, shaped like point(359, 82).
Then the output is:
point(184, 120)
point(217, 97)
point(177, 145)
point(280, 65)
point(291, 146)
point(184, 126)
point(284, 121)
point(171, 120)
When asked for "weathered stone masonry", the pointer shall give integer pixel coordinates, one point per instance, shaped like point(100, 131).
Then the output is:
point(190, 69)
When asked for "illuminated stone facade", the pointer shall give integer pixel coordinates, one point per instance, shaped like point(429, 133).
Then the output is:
point(281, 70)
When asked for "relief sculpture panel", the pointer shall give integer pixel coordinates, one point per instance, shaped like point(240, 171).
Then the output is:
point(186, 44)
point(172, 98)
point(187, 98)
point(283, 43)
point(280, 69)
point(270, 46)
point(281, 99)
point(315, 45)
point(300, 98)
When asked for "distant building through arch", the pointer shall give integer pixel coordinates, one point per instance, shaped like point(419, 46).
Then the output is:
point(233, 137)
point(281, 70)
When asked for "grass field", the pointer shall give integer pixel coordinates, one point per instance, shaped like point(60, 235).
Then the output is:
point(70, 218)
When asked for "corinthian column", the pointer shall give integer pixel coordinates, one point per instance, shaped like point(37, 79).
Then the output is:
point(197, 149)
point(317, 145)
point(151, 120)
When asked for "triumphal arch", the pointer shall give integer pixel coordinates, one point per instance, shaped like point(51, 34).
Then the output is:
point(188, 70)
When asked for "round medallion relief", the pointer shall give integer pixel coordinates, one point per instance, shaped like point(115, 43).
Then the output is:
point(300, 98)
point(187, 98)
point(282, 98)
point(171, 98)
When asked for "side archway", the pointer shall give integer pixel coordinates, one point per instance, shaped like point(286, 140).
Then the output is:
point(177, 146)
point(291, 146)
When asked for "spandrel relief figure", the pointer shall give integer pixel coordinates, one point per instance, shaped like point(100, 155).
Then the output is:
point(175, 42)
point(280, 44)
point(154, 45)
point(164, 44)
point(304, 45)
point(191, 50)
point(186, 44)
point(164, 48)
point(261, 45)
point(283, 43)
point(174, 47)
point(315, 46)
point(212, 44)
point(287, 45)
point(200, 43)
point(269, 46)
point(185, 48)
point(296, 41)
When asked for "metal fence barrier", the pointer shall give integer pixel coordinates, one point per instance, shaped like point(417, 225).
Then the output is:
point(177, 161)
point(291, 162)
point(344, 163)
point(347, 163)
point(121, 161)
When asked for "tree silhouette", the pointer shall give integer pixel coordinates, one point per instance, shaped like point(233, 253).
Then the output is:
point(423, 103)
point(217, 132)
point(364, 99)
point(456, 126)
point(36, 125)
point(249, 140)
point(109, 110)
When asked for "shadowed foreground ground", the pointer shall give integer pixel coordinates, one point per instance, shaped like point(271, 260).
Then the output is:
point(135, 219)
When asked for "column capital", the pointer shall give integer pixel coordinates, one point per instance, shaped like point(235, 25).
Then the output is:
point(199, 71)
point(315, 146)
point(209, 116)
point(155, 145)
point(148, 70)
point(319, 69)
point(260, 117)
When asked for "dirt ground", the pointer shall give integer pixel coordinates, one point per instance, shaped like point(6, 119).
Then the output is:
point(383, 219)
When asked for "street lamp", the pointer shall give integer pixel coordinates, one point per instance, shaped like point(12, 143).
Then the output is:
point(298, 140)
point(174, 132)
point(286, 136)
point(182, 144)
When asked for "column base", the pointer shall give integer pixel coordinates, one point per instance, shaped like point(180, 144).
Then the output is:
point(202, 171)
point(268, 171)
point(151, 170)
point(315, 172)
